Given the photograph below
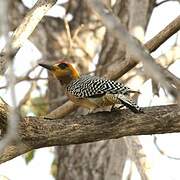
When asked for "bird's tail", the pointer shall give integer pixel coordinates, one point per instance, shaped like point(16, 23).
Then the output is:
point(129, 103)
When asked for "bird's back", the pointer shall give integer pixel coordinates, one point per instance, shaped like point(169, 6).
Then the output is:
point(92, 92)
point(93, 86)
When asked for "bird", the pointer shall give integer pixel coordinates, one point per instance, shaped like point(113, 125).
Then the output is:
point(91, 91)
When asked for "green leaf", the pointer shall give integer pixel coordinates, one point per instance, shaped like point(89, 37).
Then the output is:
point(54, 168)
point(29, 156)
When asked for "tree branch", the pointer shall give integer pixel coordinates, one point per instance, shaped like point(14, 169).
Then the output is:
point(134, 48)
point(25, 29)
point(163, 35)
point(151, 45)
point(37, 132)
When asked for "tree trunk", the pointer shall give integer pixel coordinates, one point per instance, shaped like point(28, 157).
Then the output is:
point(106, 159)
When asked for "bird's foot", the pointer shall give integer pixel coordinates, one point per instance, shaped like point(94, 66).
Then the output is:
point(115, 108)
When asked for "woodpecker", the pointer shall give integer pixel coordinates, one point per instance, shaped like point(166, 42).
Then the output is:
point(91, 91)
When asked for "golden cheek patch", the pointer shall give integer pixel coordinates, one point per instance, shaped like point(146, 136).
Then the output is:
point(59, 73)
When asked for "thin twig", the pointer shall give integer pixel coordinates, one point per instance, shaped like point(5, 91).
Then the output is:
point(82, 46)
point(24, 78)
point(69, 37)
point(28, 94)
point(161, 151)
point(165, 1)
point(77, 31)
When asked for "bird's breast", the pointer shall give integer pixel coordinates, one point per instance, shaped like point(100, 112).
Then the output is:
point(91, 102)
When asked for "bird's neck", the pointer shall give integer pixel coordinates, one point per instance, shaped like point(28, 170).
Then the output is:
point(68, 76)
point(67, 79)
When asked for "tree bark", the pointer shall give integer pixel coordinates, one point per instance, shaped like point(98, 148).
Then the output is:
point(37, 132)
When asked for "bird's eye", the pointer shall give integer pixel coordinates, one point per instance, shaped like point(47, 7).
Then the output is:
point(62, 65)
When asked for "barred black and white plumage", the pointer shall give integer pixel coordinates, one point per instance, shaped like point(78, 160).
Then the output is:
point(87, 86)
point(92, 86)
point(91, 91)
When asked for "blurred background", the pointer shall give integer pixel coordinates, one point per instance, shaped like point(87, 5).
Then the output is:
point(72, 31)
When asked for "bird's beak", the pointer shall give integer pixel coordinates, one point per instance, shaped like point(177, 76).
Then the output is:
point(49, 67)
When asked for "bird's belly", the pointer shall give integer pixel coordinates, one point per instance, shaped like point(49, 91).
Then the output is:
point(84, 102)
point(92, 103)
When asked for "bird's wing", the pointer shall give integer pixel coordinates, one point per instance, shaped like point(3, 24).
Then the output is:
point(93, 86)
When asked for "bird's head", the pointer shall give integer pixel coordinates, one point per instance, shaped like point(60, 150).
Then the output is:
point(63, 71)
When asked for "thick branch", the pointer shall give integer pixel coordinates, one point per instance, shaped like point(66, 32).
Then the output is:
point(38, 132)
